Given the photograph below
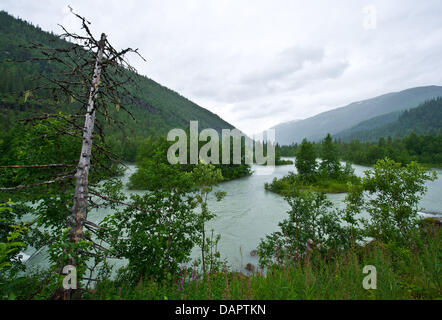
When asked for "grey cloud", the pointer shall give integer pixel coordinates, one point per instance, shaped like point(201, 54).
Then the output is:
point(285, 63)
point(257, 63)
point(289, 70)
point(262, 110)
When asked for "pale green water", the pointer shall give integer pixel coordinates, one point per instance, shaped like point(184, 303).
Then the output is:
point(249, 212)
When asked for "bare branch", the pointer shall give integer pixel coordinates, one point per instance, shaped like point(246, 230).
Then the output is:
point(40, 166)
point(20, 187)
point(116, 201)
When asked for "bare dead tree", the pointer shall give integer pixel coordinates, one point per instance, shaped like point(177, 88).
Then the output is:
point(79, 210)
point(95, 77)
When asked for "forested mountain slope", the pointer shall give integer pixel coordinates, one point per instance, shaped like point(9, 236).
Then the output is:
point(157, 109)
point(426, 119)
point(370, 124)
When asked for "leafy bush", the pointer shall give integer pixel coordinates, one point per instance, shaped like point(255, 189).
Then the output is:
point(156, 233)
point(312, 224)
point(390, 193)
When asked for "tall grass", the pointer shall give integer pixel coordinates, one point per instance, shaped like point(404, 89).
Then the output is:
point(402, 273)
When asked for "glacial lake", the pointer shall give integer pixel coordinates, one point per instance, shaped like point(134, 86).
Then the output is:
point(248, 213)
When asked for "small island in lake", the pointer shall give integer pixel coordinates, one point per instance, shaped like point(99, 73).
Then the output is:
point(328, 176)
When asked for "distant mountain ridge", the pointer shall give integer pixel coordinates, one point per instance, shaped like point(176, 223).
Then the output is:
point(426, 119)
point(287, 123)
point(340, 119)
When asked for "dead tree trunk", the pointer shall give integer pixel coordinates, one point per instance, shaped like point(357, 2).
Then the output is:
point(79, 209)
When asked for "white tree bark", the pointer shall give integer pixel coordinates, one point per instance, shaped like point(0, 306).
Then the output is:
point(79, 209)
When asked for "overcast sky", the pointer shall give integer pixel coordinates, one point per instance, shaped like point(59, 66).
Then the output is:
point(259, 63)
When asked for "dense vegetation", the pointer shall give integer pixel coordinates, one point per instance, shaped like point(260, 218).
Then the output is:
point(307, 279)
point(426, 119)
point(152, 159)
point(425, 149)
point(328, 176)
